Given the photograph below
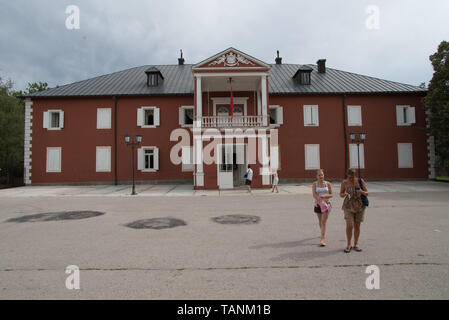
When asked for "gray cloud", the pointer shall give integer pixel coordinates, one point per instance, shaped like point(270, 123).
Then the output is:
point(36, 46)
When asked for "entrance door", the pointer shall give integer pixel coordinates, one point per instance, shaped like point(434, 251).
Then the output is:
point(225, 166)
point(240, 164)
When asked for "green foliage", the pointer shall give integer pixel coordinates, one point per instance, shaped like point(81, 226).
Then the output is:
point(12, 128)
point(437, 103)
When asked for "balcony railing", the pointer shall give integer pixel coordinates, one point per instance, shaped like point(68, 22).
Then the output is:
point(231, 122)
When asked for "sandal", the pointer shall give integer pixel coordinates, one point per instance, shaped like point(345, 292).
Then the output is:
point(322, 244)
point(347, 249)
point(356, 248)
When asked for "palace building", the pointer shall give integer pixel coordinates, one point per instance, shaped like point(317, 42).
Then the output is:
point(204, 123)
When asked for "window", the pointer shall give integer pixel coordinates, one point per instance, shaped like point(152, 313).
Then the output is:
point(238, 111)
point(312, 156)
point(103, 118)
point(226, 157)
point(405, 115)
point(276, 115)
point(148, 117)
point(53, 119)
point(186, 115)
point(353, 156)
point(405, 155)
point(354, 115)
point(310, 115)
point(305, 78)
point(54, 159)
point(152, 80)
point(103, 163)
point(148, 159)
point(223, 111)
point(187, 159)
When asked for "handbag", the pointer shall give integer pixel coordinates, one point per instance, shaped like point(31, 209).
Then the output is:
point(317, 208)
point(363, 197)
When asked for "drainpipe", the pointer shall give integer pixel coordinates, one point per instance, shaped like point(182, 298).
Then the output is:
point(115, 140)
point(344, 132)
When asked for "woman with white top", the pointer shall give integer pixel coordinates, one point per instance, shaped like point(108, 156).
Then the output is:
point(322, 192)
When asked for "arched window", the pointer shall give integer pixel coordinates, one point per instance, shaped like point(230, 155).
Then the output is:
point(223, 111)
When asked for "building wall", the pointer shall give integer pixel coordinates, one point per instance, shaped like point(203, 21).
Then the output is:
point(79, 137)
point(378, 121)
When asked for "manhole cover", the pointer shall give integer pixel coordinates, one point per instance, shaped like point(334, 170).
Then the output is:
point(56, 216)
point(237, 219)
point(156, 223)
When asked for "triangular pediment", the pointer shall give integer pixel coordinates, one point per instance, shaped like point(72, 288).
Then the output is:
point(231, 59)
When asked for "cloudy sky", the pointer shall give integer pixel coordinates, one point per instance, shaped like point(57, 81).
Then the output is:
point(389, 39)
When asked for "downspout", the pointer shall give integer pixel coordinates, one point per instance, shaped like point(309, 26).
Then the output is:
point(344, 133)
point(115, 140)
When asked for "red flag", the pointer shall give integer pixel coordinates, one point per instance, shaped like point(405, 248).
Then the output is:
point(232, 104)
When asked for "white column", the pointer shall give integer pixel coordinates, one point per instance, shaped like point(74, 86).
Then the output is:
point(197, 140)
point(263, 86)
point(27, 141)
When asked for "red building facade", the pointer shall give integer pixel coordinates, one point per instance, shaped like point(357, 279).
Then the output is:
point(290, 118)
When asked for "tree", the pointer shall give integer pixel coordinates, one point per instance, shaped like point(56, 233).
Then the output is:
point(12, 128)
point(436, 103)
point(11, 133)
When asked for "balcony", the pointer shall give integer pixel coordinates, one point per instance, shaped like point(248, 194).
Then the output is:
point(231, 122)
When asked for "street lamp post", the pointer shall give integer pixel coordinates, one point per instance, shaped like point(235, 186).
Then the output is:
point(358, 140)
point(133, 144)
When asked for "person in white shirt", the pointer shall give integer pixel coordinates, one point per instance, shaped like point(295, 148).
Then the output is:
point(275, 181)
point(249, 178)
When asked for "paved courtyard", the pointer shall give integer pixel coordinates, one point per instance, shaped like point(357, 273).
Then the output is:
point(170, 242)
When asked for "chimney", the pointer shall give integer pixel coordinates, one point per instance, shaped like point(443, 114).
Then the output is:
point(321, 65)
point(278, 59)
point(181, 60)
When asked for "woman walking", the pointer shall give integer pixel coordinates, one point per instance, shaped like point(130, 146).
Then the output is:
point(352, 190)
point(322, 192)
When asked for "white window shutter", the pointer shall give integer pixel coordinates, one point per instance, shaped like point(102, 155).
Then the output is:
point(353, 156)
point(315, 115)
point(54, 159)
point(307, 115)
point(279, 115)
point(411, 114)
point(140, 159)
point(103, 118)
point(156, 159)
point(312, 157)
point(46, 119)
point(61, 119)
point(103, 163)
point(405, 155)
point(181, 116)
point(274, 157)
point(156, 117)
point(399, 115)
point(139, 117)
point(354, 115)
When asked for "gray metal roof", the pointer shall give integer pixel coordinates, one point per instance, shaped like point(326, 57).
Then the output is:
point(178, 80)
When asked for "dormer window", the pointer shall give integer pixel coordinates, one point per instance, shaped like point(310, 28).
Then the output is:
point(154, 77)
point(152, 82)
point(303, 75)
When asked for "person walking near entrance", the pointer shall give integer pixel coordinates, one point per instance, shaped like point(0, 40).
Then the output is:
point(353, 207)
point(275, 181)
point(322, 192)
point(249, 178)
